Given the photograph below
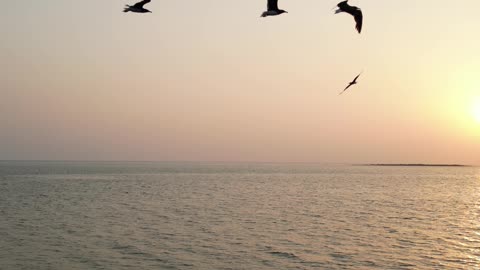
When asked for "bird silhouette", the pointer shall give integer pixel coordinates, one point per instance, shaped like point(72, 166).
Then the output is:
point(272, 9)
point(351, 83)
point(138, 7)
point(354, 11)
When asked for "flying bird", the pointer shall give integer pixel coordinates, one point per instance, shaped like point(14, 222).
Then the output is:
point(272, 9)
point(138, 7)
point(351, 83)
point(354, 11)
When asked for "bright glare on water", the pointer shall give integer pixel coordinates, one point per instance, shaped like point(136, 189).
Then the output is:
point(61, 215)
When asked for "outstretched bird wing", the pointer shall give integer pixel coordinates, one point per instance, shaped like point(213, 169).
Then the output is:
point(355, 80)
point(358, 16)
point(141, 4)
point(272, 5)
point(348, 86)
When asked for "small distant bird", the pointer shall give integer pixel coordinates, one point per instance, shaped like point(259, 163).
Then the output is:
point(272, 9)
point(138, 7)
point(351, 83)
point(354, 11)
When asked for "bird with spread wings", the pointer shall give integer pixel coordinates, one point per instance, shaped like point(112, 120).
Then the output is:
point(272, 9)
point(351, 83)
point(138, 7)
point(354, 11)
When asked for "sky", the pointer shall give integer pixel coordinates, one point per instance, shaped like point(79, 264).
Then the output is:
point(212, 81)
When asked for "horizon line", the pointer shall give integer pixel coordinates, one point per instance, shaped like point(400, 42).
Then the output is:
point(255, 162)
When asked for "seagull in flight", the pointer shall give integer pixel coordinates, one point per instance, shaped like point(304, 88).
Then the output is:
point(272, 9)
point(354, 11)
point(351, 83)
point(138, 7)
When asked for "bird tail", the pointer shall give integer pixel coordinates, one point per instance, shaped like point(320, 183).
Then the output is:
point(338, 11)
point(126, 9)
point(264, 14)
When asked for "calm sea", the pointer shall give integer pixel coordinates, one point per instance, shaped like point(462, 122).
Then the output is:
point(91, 215)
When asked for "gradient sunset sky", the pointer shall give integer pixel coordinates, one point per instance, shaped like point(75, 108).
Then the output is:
point(212, 81)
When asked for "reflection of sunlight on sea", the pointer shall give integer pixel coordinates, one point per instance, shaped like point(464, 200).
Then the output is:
point(472, 240)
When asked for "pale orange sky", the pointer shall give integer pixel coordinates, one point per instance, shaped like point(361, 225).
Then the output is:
point(211, 81)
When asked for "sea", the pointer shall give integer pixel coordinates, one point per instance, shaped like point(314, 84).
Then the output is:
point(180, 215)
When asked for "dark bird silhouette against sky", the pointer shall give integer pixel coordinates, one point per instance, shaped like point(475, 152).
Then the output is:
point(272, 9)
point(138, 7)
point(351, 83)
point(354, 11)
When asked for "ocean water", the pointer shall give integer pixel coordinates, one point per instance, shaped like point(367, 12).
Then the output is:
point(90, 215)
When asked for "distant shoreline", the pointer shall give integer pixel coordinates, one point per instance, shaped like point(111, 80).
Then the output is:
point(238, 162)
point(416, 165)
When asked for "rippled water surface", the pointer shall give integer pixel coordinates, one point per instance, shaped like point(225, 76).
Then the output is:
point(66, 215)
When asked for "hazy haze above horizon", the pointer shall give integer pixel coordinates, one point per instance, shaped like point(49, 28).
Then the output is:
point(211, 81)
